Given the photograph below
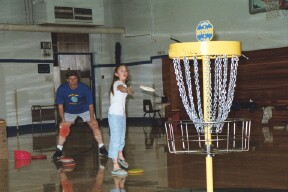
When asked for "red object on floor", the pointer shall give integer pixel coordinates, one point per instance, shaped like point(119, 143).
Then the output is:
point(21, 163)
point(21, 155)
point(66, 159)
point(72, 164)
point(38, 157)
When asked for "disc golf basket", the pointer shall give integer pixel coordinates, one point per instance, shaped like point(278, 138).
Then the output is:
point(208, 131)
point(273, 8)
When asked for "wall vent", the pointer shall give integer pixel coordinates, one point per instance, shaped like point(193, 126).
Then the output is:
point(64, 12)
point(72, 13)
point(50, 12)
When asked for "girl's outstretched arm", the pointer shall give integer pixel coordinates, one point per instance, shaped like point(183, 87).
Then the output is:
point(125, 89)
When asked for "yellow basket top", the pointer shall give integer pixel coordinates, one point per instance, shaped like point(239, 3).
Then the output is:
point(204, 48)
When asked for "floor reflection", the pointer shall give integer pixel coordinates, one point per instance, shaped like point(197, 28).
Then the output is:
point(119, 182)
point(146, 148)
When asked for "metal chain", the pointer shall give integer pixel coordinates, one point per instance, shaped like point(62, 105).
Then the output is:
point(207, 74)
point(189, 86)
point(196, 76)
point(181, 86)
point(231, 87)
point(216, 87)
point(222, 95)
point(222, 99)
point(199, 127)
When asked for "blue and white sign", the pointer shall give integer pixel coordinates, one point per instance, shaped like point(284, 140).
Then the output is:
point(204, 31)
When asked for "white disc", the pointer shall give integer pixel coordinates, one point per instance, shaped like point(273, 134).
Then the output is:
point(147, 88)
point(66, 160)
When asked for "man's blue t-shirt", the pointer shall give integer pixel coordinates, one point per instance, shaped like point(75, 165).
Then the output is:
point(75, 101)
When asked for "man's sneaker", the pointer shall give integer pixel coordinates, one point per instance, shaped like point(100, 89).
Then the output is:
point(103, 162)
point(103, 152)
point(57, 155)
point(58, 165)
point(62, 168)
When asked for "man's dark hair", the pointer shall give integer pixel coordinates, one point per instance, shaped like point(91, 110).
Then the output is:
point(72, 73)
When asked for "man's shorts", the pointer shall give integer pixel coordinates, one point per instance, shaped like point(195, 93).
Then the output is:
point(71, 117)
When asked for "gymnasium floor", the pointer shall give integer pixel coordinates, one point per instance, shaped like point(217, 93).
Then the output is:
point(252, 171)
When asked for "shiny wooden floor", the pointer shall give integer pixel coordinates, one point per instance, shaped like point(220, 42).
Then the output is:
point(264, 169)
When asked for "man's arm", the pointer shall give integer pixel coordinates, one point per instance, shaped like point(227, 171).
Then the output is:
point(91, 111)
point(61, 112)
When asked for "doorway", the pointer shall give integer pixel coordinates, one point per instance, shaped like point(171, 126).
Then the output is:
point(80, 62)
point(71, 52)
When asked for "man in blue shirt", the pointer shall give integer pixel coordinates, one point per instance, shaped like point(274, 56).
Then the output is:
point(74, 100)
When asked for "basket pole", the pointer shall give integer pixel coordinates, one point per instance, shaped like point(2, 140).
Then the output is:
point(209, 173)
point(206, 108)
